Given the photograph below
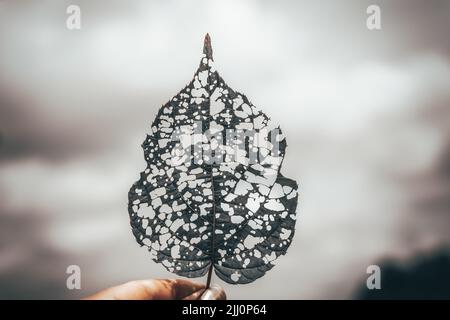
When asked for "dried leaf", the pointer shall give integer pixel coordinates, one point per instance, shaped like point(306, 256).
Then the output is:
point(232, 211)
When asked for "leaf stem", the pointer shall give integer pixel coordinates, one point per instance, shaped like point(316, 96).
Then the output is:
point(213, 231)
point(208, 280)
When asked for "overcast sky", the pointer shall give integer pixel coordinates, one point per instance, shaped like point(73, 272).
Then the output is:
point(366, 115)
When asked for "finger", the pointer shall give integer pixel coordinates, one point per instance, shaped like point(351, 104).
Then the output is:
point(196, 295)
point(132, 290)
point(214, 292)
point(182, 288)
point(149, 290)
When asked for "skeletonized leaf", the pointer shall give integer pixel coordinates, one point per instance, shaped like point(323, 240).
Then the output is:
point(212, 195)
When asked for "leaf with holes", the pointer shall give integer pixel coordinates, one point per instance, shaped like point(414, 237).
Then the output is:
point(212, 196)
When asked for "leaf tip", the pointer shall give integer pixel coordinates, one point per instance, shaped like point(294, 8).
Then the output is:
point(207, 48)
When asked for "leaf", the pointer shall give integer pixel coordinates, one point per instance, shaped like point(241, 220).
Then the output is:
point(231, 211)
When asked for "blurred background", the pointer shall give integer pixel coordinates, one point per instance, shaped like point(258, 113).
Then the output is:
point(366, 115)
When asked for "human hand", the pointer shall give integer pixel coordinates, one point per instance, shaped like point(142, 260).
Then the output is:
point(167, 289)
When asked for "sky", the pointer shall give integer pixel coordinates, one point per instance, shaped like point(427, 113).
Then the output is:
point(366, 114)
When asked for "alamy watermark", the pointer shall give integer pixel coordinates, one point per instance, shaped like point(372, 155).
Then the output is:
point(373, 21)
point(73, 281)
point(374, 279)
point(208, 144)
point(73, 21)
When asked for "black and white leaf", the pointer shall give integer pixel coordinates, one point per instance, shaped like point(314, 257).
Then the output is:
point(224, 212)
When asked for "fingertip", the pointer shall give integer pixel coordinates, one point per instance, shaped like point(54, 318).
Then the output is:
point(196, 295)
point(214, 292)
point(184, 288)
